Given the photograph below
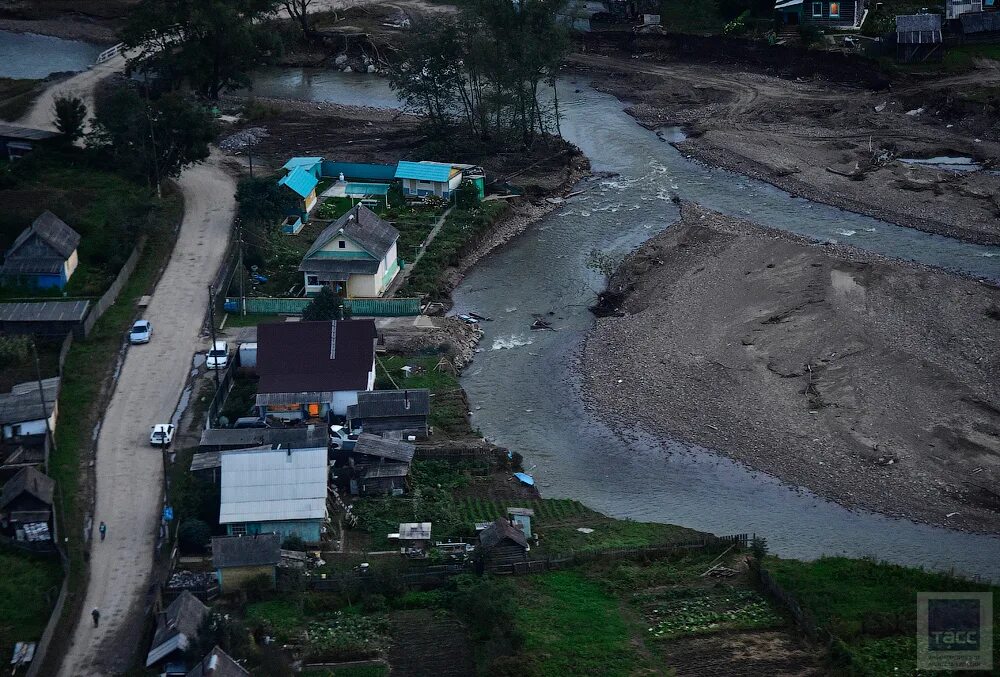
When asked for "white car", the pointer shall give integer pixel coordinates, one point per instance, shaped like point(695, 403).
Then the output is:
point(140, 332)
point(161, 434)
point(218, 356)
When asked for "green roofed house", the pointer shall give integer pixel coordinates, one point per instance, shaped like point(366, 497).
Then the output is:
point(355, 256)
point(303, 183)
point(313, 165)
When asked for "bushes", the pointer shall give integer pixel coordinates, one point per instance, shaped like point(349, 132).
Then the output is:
point(194, 536)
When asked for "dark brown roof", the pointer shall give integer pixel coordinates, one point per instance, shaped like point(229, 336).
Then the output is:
point(246, 551)
point(373, 445)
point(363, 226)
point(300, 357)
point(499, 531)
point(31, 481)
point(217, 663)
point(392, 403)
point(53, 231)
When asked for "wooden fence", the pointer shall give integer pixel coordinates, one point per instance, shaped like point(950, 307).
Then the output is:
point(111, 295)
point(359, 307)
point(50, 629)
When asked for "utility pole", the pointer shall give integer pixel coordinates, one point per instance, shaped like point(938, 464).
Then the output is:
point(250, 157)
point(41, 396)
point(211, 328)
point(152, 138)
point(242, 270)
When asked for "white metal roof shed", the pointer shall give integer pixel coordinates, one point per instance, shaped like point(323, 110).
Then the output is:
point(265, 485)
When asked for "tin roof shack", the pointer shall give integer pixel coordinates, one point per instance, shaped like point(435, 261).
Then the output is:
point(217, 663)
point(355, 256)
point(918, 38)
point(16, 142)
point(302, 183)
point(53, 319)
point(421, 179)
point(26, 505)
point(240, 559)
point(43, 255)
point(374, 466)
point(176, 626)
point(21, 410)
point(414, 539)
point(391, 411)
point(280, 491)
point(502, 544)
point(314, 369)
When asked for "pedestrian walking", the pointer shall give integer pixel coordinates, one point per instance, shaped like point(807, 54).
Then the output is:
point(97, 616)
point(103, 529)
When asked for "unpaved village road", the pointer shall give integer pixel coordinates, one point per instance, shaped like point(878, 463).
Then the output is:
point(129, 472)
point(82, 85)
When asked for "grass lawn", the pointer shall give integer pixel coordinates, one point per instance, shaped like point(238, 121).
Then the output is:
point(28, 591)
point(870, 605)
point(449, 411)
point(250, 319)
point(573, 626)
point(16, 97)
point(108, 211)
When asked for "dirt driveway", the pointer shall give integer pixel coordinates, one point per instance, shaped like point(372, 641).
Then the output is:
point(82, 85)
point(129, 472)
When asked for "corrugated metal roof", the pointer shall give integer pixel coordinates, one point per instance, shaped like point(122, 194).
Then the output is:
point(391, 403)
point(22, 403)
point(387, 470)
point(363, 226)
point(415, 531)
point(906, 23)
point(243, 551)
point(306, 163)
point(288, 438)
point(339, 267)
point(373, 445)
point(205, 460)
point(424, 172)
point(26, 133)
point(300, 181)
point(261, 485)
point(47, 311)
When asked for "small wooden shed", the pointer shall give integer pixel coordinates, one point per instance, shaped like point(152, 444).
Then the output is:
point(502, 544)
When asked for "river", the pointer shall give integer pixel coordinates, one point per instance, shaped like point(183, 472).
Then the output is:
point(524, 386)
point(33, 56)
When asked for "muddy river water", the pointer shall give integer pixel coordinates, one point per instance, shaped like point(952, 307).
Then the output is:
point(29, 55)
point(524, 385)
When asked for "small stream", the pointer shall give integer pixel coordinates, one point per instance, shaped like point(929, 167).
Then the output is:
point(33, 56)
point(524, 386)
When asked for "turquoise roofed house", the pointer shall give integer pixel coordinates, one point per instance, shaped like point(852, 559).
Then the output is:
point(421, 179)
point(303, 184)
point(313, 165)
point(355, 256)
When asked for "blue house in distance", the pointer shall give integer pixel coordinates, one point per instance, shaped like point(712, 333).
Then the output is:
point(420, 179)
point(303, 183)
point(43, 255)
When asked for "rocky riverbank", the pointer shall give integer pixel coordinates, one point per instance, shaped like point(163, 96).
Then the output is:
point(872, 382)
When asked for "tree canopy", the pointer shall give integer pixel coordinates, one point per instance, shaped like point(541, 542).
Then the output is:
point(211, 44)
point(486, 69)
point(70, 116)
point(151, 138)
point(325, 306)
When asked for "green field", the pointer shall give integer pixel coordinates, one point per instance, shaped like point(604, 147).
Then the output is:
point(28, 591)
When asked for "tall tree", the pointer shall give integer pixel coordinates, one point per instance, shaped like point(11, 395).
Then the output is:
point(299, 10)
point(212, 44)
point(325, 306)
point(70, 115)
point(151, 138)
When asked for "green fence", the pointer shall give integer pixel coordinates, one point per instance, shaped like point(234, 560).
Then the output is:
point(358, 307)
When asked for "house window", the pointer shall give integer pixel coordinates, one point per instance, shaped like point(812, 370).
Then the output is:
point(818, 9)
point(15, 430)
point(834, 10)
point(312, 280)
point(341, 244)
point(239, 530)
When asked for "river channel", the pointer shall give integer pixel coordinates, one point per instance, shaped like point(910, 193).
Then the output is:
point(33, 56)
point(524, 386)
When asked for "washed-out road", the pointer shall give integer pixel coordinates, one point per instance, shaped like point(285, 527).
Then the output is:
point(128, 471)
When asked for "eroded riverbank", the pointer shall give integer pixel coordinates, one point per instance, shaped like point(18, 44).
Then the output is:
point(869, 381)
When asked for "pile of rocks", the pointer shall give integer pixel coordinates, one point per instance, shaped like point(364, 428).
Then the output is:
point(243, 139)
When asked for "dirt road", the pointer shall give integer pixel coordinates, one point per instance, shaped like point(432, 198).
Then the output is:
point(129, 472)
point(82, 85)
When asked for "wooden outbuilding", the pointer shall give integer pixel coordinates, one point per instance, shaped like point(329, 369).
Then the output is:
point(239, 559)
point(502, 544)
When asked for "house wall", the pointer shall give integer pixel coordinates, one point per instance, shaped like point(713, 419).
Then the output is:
point(958, 7)
point(364, 285)
point(848, 12)
point(70, 265)
point(310, 201)
point(36, 427)
point(455, 182)
point(343, 399)
point(351, 249)
point(231, 579)
point(307, 530)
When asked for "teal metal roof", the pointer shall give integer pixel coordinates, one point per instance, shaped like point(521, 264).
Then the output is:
point(366, 188)
point(305, 162)
point(299, 180)
point(423, 172)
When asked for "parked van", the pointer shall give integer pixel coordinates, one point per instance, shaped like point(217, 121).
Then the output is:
point(218, 356)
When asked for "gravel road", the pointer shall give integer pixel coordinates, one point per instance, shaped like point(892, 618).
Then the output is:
point(82, 85)
point(129, 472)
